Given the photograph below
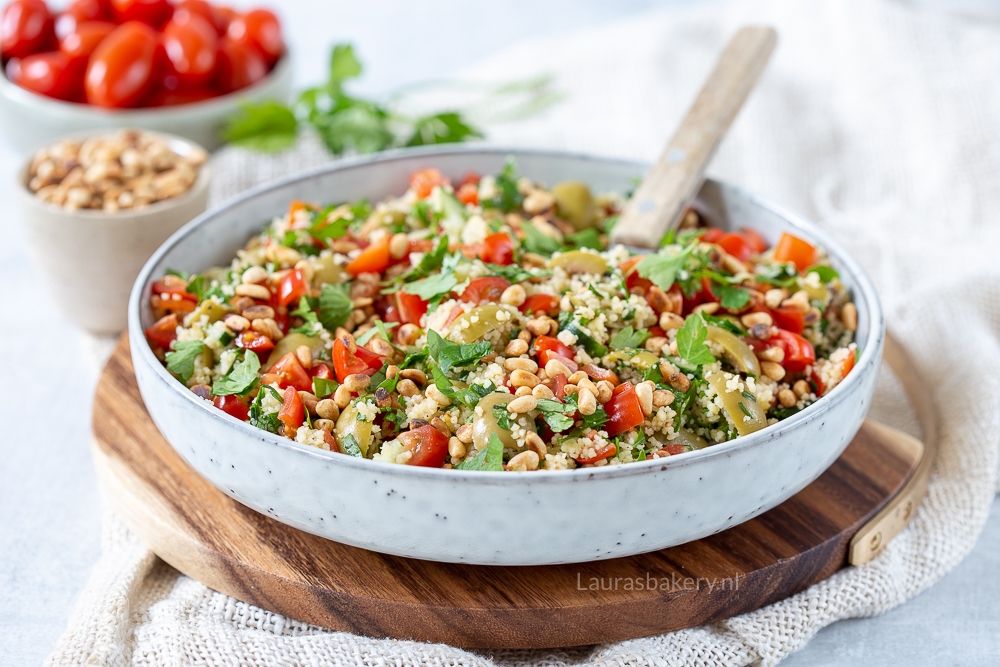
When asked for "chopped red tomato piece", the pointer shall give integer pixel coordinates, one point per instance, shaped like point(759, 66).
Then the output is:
point(755, 239)
point(257, 342)
point(799, 352)
point(373, 259)
point(632, 277)
point(605, 452)
point(424, 181)
point(411, 307)
point(360, 361)
point(164, 331)
point(712, 235)
point(498, 249)
point(675, 449)
point(321, 370)
point(540, 303)
point(485, 290)
point(597, 373)
point(232, 405)
point(736, 245)
point(845, 367)
point(468, 194)
point(793, 249)
point(624, 410)
point(428, 445)
point(547, 348)
point(292, 413)
point(453, 315)
point(558, 385)
point(291, 288)
point(789, 319)
point(173, 285)
point(289, 373)
point(470, 178)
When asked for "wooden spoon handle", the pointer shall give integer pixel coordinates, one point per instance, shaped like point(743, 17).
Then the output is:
point(674, 180)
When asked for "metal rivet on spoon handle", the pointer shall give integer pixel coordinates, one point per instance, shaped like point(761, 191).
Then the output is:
point(675, 179)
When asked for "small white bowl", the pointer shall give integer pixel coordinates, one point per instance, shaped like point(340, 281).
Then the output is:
point(88, 258)
point(29, 119)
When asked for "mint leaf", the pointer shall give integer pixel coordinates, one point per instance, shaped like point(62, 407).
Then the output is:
point(502, 415)
point(267, 126)
point(555, 414)
point(732, 298)
point(240, 378)
point(537, 242)
point(351, 447)
point(489, 458)
point(180, 361)
point(323, 387)
point(691, 341)
point(629, 338)
point(825, 273)
point(335, 306)
point(450, 355)
point(469, 397)
point(662, 267)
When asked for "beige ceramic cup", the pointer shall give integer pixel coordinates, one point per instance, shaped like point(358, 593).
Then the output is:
point(89, 259)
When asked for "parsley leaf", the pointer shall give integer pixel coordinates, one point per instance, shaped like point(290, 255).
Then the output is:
point(323, 228)
point(732, 298)
point(691, 341)
point(432, 286)
point(442, 128)
point(240, 378)
point(469, 397)
point(502, 415)
point(180, 361)
point(825, 273)
point(507, 198)
point(555, 414)
point(536, 241)
point(588, 238)
point(725, 323)
point(662, 267)
point(267, 126)
point(489, 457)
point(515, 274)
point(323, 387)
point(779, 275)
point(258, 417)
point(450, 355)
point(335, 306)
point(311, 326)
point(629, 337)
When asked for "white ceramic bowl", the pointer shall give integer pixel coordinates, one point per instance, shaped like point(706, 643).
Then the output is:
point(497, 518)
point(30, 120)
point(88, 259)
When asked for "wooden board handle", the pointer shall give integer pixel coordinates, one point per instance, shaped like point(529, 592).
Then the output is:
point(673, 181)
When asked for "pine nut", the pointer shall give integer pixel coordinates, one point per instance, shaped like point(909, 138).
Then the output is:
point(258, 292)
point(658, 300)
point(516, 348)
point(522, 404)
point(524, 335)
point(775, 354)
point(644, 391)
point(254, 275)
point(801, 388)
point(709, 308)
point(604, 391)
point(774, 297)
point(380, 347)
point(538, 201)
point(519, 378)
point(656, 344)
point(787, 398)
point(523, 391)
point(733, 265)
point(457, 448)
point(407, 388)
point(518, 364)
point(533, 441)
point(304, 354)
point(415, 374)
point(258, 312)
point(391, 371)
point(342, 397)
point(670, 321)
point(399, 245)
point(555, 367)
point(587, 383)
point(236, 323)
point(570, 389)
point(407, 334)
point(328, 409)
point(849, 316)
point(586, 402)
point(362, 302)
point(523, 462)
point(538, 326)
point(798, 301)
point(750, 319)
point(268, 327)
point(464, 433)
point(324, 425)
point(442, 428)
point(306, 269)
point(772, 370)
point(575, 378)
point(662, 397)
point(435, 395)
point(309, 402)
point(513, 296)
point(541, 391)
point(357, 382)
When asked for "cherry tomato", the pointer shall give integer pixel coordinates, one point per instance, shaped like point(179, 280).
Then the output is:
point(799, 352)
point(428, 445)
point(163, 97)
point(793, 249)
point(26, 27)
point(498, 249)
point(123, 66)
point(605, 452)
point(755, 239)
point(484, 290)
point(558, 385)
point(256, 342)
point(321, 370)
point(712, 235)
point(624, 410)
point(170, 284)
point(424, 181)
point(82, 11)
point(51, 74)
point(164, 331)
point(151, 12)
point(632, 277)
point(410, 307)
point(549, 348)
point(736, 245)
point(85, 38)
point(191, 44)
point(292, 413)
point(361, 361)
point(468, 193)
point(211, 14)
point(289, 373)
point(224, 16)
point(673, 450)
point(233, 405)
point(291, 288)
point(239, 66)
point(789, 319)
point(540, 303)
point(470, 178)
point(260, 29)
point(373, 259)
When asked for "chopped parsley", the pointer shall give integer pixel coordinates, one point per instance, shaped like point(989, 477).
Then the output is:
point(240, 378)
point(507, 198)
point(258, 417)
point(663, 267)
point(489, 457)
point(629, 338)
point(335, 306)
point(323, 387)
point(450, 355)
point(691, 341)
point(732, 298)
point(180, 361)
point(537, 242)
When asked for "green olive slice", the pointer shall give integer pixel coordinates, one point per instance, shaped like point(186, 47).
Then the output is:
point(473, 325)
point(578, 261)
point(486, 423)
point(644, 360)
point(688, 437)
point(292, 341)
point(328, 272)
point(738, 352)
point(746, 414)
point(575, 203)
point(210, 307)
point(349, 424)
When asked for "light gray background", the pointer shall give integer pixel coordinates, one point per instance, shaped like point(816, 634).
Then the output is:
point(49, 501)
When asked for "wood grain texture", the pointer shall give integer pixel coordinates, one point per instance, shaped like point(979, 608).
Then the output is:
point(232, 549)
point(672, 182)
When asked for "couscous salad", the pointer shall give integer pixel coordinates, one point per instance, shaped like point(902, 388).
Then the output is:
point(484, 324)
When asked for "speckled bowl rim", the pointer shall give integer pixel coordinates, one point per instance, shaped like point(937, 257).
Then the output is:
point(868, 361)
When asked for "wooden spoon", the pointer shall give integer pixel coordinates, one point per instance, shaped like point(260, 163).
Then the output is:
point(664, 195)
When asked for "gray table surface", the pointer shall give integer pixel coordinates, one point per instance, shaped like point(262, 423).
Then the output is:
point(49, 500)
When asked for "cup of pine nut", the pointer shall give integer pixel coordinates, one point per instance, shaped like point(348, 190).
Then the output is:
point(95, 206)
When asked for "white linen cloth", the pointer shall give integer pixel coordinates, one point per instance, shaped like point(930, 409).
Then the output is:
point(880, 121)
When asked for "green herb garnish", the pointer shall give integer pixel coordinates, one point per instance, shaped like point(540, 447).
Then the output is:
point(335, 306)
point(180, 361)
point(489, 457)
point(691, 341)
point(240, 378)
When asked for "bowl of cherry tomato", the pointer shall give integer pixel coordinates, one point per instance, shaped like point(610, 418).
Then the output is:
point(181, 67)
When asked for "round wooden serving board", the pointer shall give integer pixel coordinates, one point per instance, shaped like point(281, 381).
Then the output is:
point(207, 535)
